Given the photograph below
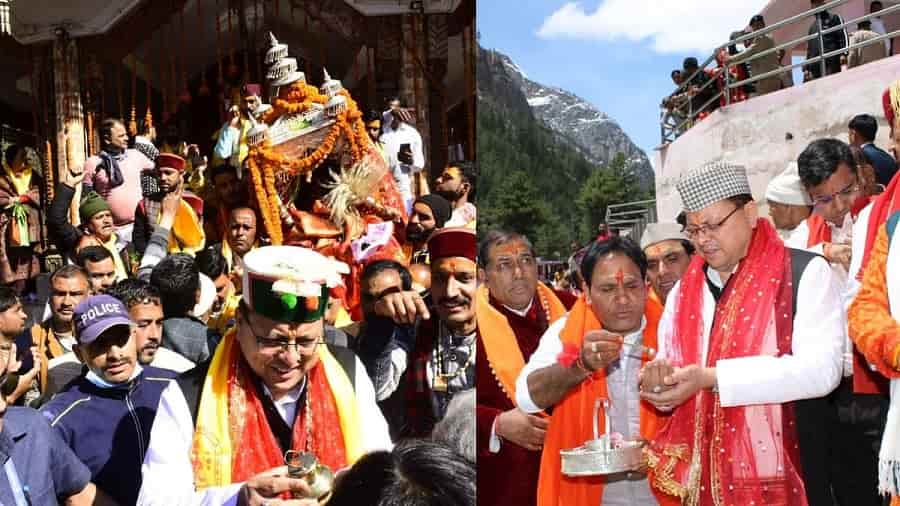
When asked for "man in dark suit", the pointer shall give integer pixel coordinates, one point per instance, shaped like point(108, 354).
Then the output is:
point(862, 130)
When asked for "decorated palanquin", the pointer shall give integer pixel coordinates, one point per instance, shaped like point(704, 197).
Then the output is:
point(316, 177)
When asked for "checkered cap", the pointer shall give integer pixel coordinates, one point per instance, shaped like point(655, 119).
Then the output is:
point(711, 183)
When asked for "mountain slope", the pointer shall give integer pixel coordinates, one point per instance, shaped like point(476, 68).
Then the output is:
point(532, 175)
point(577, 122)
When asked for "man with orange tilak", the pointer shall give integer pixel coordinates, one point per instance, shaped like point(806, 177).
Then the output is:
point(668, 256)
point(442, 361)
point(595, 352)
point(514, 309)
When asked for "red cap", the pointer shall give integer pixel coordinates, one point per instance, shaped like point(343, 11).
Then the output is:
point(169, 160)
point(253, 90)
point(452, 242)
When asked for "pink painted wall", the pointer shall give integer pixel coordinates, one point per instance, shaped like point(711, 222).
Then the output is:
point(755, 133)
point(778, 10)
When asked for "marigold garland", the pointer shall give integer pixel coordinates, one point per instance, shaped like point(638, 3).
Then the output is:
point(298, 98)
point(273, 226)
point(274, 208)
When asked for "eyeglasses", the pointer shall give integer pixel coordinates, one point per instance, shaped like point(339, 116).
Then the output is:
point(272, 346)
point(846, 193)
point(711, 228)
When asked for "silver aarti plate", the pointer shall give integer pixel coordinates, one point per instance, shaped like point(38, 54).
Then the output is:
point(593, 459)
point(598, 456)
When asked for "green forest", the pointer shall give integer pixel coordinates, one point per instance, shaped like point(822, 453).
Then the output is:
point(533, 182)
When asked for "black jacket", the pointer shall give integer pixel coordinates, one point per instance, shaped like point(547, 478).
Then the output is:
point(884, 164)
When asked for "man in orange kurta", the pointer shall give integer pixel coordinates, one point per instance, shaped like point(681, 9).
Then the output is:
point(872, 317)
point(874, 328)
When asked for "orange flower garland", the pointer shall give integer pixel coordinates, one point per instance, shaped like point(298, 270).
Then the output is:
point(273, 225)
point(298, 98)
point(273, 207)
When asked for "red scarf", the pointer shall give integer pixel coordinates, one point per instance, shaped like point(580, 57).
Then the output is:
point(744, 454)
point(884, 206)
point(251, 433)
point(819, 230)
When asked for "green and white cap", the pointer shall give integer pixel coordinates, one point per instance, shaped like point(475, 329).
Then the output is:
point(289, 283)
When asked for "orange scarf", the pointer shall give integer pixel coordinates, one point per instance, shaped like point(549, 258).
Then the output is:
point(570, 425)
point(500, 344)
point(819, 231)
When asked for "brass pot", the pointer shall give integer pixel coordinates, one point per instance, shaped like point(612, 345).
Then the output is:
point(319, 477)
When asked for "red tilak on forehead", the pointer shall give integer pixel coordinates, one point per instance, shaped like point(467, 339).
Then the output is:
point(620, 277)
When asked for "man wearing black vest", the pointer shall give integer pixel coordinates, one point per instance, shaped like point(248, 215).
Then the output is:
point(751, 328)
point(272, 386)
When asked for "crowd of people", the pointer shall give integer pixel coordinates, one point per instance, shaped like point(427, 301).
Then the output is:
point(695, 97)
point(183, 356)
point(754, 358)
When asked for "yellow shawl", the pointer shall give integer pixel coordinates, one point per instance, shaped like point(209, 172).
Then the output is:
point(213, 446)
point(187, 234)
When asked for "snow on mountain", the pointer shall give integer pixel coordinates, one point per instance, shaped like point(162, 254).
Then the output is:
point(578, 122)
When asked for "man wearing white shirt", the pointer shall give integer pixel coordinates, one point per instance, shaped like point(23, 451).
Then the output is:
point(273, 386)
point(403, 148)
point(457, 185)
point(606, 332)
point(856, 411)
point(735, 349)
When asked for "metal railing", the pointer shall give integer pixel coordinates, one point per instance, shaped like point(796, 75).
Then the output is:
point(631, 216)
point(675, 122)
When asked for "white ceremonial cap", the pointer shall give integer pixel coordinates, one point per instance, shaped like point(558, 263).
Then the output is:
point(659, 232)
point(786, 188)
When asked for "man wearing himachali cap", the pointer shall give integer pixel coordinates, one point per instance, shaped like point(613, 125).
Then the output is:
point(735, 348)
point(186, 234)
point(442, 362)
point(273, 385)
